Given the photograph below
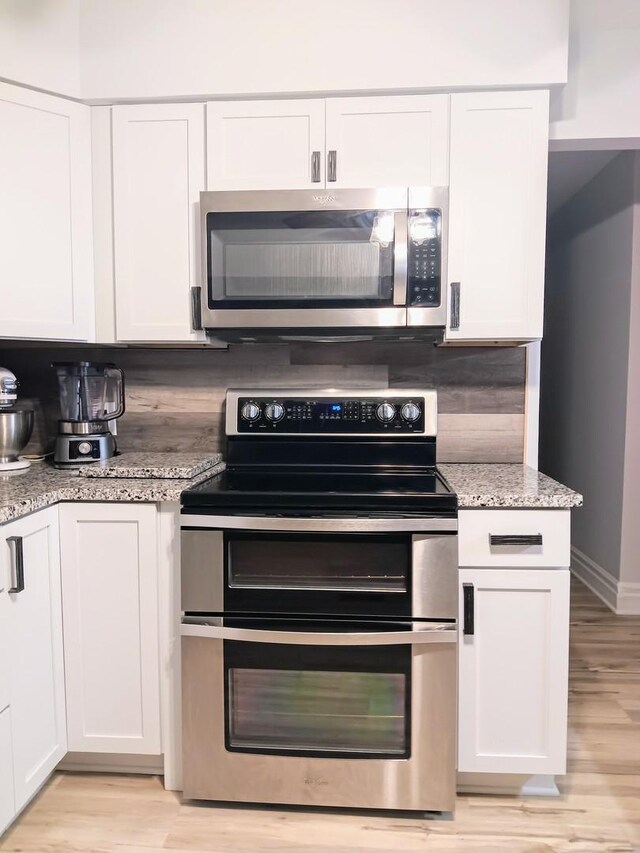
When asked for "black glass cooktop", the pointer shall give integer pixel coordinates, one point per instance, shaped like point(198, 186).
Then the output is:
point(304, 492)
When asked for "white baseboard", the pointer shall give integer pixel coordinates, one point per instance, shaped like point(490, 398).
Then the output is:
point(622, 598)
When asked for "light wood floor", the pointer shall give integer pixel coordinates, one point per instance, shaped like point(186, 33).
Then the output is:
point(599, 809)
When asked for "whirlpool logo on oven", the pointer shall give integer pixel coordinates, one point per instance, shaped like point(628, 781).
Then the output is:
point(315, 781)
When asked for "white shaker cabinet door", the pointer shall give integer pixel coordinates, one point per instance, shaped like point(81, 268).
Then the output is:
point(396, 140)
point(7, 799)
point(158, 174)
point(265, 145)
point(38, 730)
point(513, 671)
point(497, 215)
point(110, 599)
point(46, 241)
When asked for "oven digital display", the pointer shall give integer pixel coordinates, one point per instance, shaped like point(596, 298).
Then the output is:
point(329, 410)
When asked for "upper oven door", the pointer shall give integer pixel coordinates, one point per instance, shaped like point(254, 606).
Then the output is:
point(342, 574)
point(300, 258)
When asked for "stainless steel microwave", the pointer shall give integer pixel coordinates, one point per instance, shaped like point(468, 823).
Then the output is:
point(314, 261)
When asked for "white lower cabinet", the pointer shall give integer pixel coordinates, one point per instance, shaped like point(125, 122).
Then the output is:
point(513, 670)
point(110, 600)
point(31, 560)
point(7, 800)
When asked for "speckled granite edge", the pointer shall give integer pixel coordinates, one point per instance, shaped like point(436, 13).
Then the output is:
point(507, 485)
point(46, 488)
point(163, 466)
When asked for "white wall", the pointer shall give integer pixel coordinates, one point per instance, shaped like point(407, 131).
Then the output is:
point(189, 48)
point(39, 44)
point(630, 547)
point(601, 101)
point(590, 385)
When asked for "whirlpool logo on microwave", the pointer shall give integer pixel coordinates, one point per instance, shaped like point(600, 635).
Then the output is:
point(324, 199)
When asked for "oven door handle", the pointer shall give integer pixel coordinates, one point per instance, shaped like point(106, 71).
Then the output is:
point(283, 524)
point(436, 632)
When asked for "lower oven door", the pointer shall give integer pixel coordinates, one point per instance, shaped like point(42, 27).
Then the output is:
point(323, 715)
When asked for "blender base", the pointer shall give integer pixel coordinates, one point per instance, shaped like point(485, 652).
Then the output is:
point(76, 450)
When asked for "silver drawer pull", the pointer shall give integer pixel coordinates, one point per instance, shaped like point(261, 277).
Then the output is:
point(515, 539)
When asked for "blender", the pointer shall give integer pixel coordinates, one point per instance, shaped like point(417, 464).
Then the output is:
point(91, 395)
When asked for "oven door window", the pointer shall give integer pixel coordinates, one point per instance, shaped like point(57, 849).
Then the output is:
point(300, 259)
point(343, 574)
point(314, 700)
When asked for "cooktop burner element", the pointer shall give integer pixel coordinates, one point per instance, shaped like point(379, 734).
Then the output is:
point(354, 452)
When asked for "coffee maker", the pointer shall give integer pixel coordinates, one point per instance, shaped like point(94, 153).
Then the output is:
point(91, 395)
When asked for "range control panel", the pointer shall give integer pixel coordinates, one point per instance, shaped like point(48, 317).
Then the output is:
point(336, 415)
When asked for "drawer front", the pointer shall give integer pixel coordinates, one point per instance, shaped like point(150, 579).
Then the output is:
point(501, 538)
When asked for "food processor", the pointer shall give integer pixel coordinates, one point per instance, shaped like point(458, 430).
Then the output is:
point(91, 395)
point(15, 424)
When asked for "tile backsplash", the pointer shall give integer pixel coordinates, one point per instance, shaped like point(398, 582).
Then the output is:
point(175, 397)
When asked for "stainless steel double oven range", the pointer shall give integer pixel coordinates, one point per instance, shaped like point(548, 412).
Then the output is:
point(319, 606)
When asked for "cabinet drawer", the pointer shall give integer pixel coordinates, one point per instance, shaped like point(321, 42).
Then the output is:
point(532, 538)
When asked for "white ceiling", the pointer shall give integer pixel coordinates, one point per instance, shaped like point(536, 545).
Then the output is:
point(569, 171)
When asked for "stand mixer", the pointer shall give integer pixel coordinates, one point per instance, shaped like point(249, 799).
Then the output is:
point(15, 424)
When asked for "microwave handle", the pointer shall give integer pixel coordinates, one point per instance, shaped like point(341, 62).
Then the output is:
point(400, 258)
point(433, 632)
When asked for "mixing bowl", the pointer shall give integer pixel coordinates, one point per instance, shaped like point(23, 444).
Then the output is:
point(15, 431)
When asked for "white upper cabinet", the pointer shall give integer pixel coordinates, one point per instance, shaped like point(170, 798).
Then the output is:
point(497, 215)
point(158, 174)
point(265, 145)
point(46, 255)
point(38, 730)
point(388, 141)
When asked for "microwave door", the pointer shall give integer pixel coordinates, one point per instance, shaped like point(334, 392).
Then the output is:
point(318, 268)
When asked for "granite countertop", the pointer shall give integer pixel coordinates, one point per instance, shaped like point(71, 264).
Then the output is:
point(159, 477)
point(166, 466)
point(22, 492)
point(507, 485)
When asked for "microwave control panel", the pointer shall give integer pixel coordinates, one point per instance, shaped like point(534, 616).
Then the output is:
point(339, 416)
point(424, 258)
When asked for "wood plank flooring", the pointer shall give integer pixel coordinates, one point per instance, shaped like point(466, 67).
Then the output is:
point(599, 809)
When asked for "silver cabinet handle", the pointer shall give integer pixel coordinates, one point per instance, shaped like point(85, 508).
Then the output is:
point(17, 563)
point(196, 309)
point(332, 166)
point(436, 632)
point(315, 167)
point(455, 305)
point(515, 539)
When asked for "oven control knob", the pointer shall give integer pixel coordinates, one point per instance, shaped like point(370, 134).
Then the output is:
point(386, 412)
point(274, 411)
point(410, 412)
point(250, 411)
